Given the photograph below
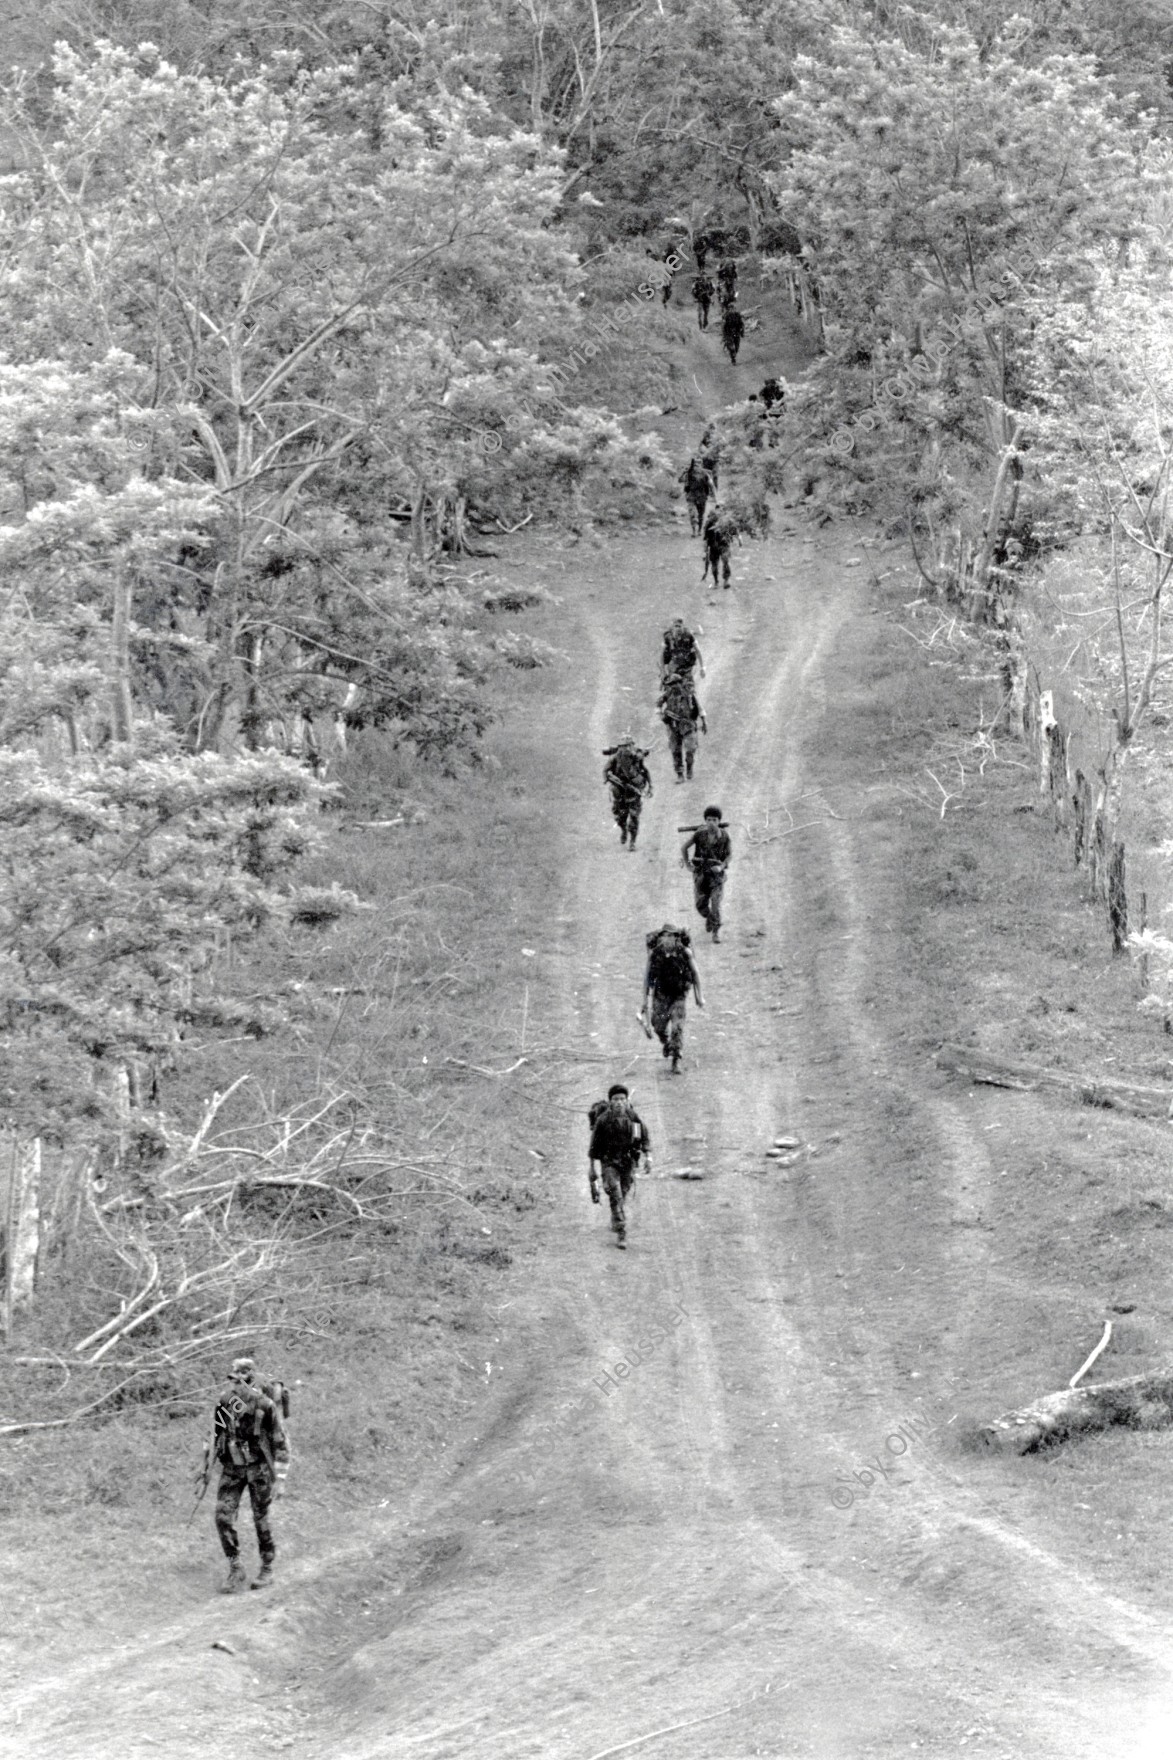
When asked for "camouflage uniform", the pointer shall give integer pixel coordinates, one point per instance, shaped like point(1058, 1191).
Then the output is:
point(617, 1147)
point(252, 1450)
point(711, 850)
point(626, 775)
point(667, 1018)
point(666, 987)
point(681, 715)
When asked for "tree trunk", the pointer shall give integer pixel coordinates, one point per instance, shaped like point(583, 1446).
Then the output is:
point(1059, 741)
point(1117, 898)
point(1083, 817)
point(1142, 1402)
point(1002, 1072)
point(22, 1228)
point(1046, 722)
point(121, 710)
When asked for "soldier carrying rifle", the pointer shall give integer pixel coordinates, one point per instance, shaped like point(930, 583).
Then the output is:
point(711, 851)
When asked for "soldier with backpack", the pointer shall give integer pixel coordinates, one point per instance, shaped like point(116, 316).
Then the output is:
point(732, 331)
point(669, 975)
point(699, 486)
point(619, 1137)
point(711, 851)
point(680, 652)
point(251, 1448)
point(682, 715)
point(720, 530)
point(702, 292)
point(626, 775)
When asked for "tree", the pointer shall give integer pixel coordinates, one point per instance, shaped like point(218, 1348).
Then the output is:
point(935, 186)
point(295, 278)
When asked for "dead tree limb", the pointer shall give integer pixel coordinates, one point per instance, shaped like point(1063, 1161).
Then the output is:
point(1000, 1072)
point(1141, 1402)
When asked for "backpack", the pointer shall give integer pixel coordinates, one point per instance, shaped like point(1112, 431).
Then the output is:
point(671, 968)
point(681, 649)
point(628, 766)
point(240, 1426)
point(615, 1135)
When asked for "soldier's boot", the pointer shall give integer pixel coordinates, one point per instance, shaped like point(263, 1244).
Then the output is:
point(264, 1576)
point(622, 1242)
point(675, 1063)
point(688, 768)
point(623, 834)
point(237, 1578)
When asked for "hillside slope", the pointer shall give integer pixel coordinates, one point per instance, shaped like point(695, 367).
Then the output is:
point(725, 1550)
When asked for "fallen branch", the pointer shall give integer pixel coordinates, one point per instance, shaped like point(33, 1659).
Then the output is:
point(997, 1072)
point(1141, 1402)
point(460, 1063)
point(73, 1418)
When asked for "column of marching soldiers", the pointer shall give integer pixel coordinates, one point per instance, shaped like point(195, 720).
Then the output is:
point(619, 1137)
point(249, 1444)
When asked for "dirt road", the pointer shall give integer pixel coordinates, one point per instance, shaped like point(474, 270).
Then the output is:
point(712, 1507)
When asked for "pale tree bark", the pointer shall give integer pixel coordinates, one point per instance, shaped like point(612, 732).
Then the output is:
point(1142, 1402)
point(22, 1228)
point(121, 710)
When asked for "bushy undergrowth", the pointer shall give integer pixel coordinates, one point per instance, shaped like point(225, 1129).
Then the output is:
point(346, 1209)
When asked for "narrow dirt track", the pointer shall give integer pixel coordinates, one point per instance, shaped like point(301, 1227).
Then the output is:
point(666, 1553)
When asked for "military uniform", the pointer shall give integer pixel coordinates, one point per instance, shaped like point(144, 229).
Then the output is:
point(681, 715)
point(667, 980)
point(252, 1450)
point(700, 483)
point(711, 851)
point(732, 331)
point(680, 653)
point(626, 775)
point(619, 1137)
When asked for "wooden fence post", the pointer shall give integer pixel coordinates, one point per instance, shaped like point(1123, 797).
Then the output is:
point(1117, 898)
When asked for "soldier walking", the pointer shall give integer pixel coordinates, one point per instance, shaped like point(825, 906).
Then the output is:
point(682, 715)
point(719, 532)
point(732, 331)
point(250, 1447)
point(702, 292)
point(727, 281)
point(619, 1137)
point(699, 485)
point(680, 652)
point(668, 976)
point(709, 861)
point(626, 775)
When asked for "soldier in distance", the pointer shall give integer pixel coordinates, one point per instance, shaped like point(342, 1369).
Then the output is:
point(702, 292)
point(680, 652)
point(251, 1448)
point(626, 775)
point(668, 976)
point(732, 331)
point(700, 486)
point(720, 529)
point(619, 1137)
point(681, 714)
point(709, 861)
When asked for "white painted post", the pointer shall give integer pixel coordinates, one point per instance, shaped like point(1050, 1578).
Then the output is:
point(1046, 723)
